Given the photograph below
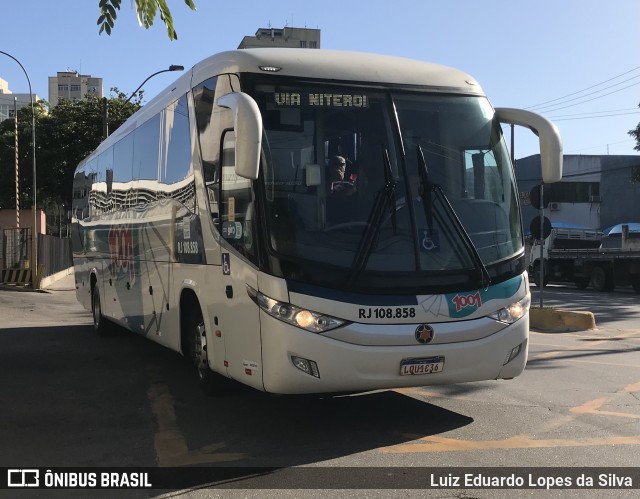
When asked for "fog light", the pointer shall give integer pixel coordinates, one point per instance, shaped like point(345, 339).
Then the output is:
point(515, 351)
point(306, 366)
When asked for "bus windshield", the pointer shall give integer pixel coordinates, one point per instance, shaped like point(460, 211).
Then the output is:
point(362, 187)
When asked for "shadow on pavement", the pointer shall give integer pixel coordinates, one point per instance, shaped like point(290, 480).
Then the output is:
point(71, 398)
point(611, 309)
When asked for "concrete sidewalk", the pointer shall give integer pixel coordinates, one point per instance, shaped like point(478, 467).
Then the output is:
point(53, 306)
point(61, 281)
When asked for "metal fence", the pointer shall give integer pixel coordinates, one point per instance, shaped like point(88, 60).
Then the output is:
point(54, 255)
point(16, 248)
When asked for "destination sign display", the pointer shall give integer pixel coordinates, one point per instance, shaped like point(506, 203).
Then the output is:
point(320, 99)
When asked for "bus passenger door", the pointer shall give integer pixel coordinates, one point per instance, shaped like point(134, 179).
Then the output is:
point(241, 321)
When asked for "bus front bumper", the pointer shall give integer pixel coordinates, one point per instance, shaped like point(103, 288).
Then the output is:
point(345, 367)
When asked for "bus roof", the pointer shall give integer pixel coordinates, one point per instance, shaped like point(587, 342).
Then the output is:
point(340, 66)
point(329, 65)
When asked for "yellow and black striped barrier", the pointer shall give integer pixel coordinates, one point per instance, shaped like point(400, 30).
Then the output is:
point(16, 277)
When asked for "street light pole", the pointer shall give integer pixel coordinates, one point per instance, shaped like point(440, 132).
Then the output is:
point(34, 233)
point(105, 102)
point(173, 67)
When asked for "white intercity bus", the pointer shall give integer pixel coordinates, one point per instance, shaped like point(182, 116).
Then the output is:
point(211, 222)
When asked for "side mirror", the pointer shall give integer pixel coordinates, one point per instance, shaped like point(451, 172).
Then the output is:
point(248, 130)
point(548, 134)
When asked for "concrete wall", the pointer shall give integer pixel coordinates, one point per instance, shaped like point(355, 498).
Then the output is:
point(619, 197)
point(8, 219)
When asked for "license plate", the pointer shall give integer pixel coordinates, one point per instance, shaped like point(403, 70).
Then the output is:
point(412, 367)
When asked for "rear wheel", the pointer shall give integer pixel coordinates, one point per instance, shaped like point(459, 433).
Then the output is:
point(601, 279)
point(100, 324)
point(581, 282)
point(196, 342)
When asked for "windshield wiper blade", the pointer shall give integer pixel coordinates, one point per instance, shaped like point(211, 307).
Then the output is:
point(385, 196)
point(427, 189)
point(390, 189)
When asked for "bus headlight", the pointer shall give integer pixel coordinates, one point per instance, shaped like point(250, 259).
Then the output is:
point(513, 312)
point(296, 316)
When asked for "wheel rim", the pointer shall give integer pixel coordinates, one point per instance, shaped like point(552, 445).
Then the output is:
point(97, 311)
point(598, 278)
point(200, 350)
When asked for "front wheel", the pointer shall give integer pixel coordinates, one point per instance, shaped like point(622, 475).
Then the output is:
point(536, 275)
point(211, 383)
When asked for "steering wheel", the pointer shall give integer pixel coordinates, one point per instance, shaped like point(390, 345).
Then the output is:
point(343, 187)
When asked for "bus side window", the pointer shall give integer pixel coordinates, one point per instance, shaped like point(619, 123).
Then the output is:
point(237, 220)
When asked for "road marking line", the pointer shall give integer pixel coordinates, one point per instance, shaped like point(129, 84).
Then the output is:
point(632, 388)
point(442, 444)
point(593, 406)
point(555, 353)
point(617, 364)
point(170, 444)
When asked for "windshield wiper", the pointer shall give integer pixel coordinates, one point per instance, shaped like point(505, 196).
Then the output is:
point(427, 189)
point(385, 196)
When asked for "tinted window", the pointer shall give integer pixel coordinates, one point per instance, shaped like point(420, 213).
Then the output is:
point(178, 142)
point(145, 150)
point(237, 221)
point(123, 160)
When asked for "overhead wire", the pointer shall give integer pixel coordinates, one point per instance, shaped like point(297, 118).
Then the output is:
point(564, 97)
point(595, 114)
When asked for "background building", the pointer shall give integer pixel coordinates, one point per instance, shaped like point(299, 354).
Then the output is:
point(303, 38)
point(73, 86)
point(595, 191)
point(7, 100)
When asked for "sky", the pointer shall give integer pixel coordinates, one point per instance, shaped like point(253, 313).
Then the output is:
point(577, 62)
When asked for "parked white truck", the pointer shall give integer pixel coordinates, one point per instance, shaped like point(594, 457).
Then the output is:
point(588, 257)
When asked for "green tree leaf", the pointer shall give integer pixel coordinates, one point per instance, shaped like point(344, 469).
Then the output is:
point(146, 11)
point(64, 136)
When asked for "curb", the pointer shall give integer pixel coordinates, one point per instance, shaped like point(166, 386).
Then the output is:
point(48, 281)
point(560, 321)
point(46, 284)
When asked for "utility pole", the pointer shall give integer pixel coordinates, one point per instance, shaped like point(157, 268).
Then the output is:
point(105, 118)
point(15, 120)
point(34, 231)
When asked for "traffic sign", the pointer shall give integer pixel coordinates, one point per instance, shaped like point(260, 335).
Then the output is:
point(536, 228)
point(535, 196)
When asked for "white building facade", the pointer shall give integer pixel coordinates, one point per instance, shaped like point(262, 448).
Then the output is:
point(8, 100)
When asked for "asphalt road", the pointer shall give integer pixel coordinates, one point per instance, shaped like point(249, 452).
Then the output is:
point(70, 398)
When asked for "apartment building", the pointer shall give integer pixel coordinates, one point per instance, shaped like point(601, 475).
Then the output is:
point(73, 86)
point(303, 38)
point(7, 99)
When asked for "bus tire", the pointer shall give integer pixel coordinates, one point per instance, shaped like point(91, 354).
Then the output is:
point(581, 282)
point(194, 333)
point(536, 275)
point(601, 279)
point(100, 323)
